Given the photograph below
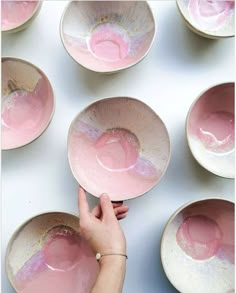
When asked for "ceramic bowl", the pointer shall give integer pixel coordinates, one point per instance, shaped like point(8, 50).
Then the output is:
point(17, 15)
point(210, 19)
point(47, 254)
point(27, 103)
point(197, 247)
point(119, 146)
point(210, 130)
point(107, 36)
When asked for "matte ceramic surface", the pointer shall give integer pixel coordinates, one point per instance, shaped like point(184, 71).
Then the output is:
point(47, 254)
point(27, 103)
point(118, 146)
point(210, 130)
point(211, 19)
point(197, 248)
point(16, 15)
point(107, 36)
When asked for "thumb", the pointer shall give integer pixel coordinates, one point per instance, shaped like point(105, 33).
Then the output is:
point(107, 207)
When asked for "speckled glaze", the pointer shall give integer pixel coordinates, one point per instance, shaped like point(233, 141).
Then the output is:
point(47, 254)
point(118, 146)
point(27, 103)
point(210, 130)
point(210, 19)
point(197, 247)
point(17, 15)
point(107, 36)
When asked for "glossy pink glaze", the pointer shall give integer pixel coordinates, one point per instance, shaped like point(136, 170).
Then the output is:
point(65, 264)
point(15, 13)
point(109, 42)
point(25, 114)
point(199, 236)
point(210, 14)
point(211, 119)
point(207, 230)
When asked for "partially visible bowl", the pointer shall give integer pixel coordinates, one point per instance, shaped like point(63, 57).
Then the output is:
point(27, 102)
point(197, 247)
point(47, 254)
point(17, 15)
point(210, 130)
point(119, 146)
point(211, 19)
point(107, 36)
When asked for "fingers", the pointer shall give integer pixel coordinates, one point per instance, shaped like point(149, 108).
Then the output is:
point(121, 210)
point(83, 204)
point(107, 208)
point(97, 211)
point(121, 216)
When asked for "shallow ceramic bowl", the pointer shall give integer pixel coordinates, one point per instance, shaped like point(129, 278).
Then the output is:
point(107, 36)
point(119, 146)
point(197, 247)
point(210, 19)
point(210, 130)
point(49, 245)
point(27, 103)
point(17, 15)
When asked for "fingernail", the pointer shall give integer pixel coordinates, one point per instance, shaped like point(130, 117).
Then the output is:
point(105, 196)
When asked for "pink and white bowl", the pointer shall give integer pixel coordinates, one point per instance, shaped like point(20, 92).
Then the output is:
point(47, 254)
point(210, 130)
point(213, 19)
point(118, 146)
point(17, 15)
point(27, 103)
point(197, 247)
point(107, 36)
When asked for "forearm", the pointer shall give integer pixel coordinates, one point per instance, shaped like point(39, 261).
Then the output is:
point(111, 276)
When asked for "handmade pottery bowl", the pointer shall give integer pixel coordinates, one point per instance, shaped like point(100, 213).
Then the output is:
point(17, 15)
point(197, 247)
point(119, 146)
point(47, 254)
point(27, 103)
point(210, 19)
point(107, 36)
point(210, 129)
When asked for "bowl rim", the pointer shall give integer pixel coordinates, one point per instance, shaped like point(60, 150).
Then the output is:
point(4, 58)
point(17, 231)
point(26, 22)
point(170, 220)
point(206, 33)
point(135, 100)
point(123, 67)
point(187, 135)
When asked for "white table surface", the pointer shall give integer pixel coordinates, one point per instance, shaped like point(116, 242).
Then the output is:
point(37, 177)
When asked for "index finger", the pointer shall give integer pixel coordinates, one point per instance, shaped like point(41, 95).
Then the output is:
point(83, 204)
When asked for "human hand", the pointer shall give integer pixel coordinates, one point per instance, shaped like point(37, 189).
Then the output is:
point(100, 227)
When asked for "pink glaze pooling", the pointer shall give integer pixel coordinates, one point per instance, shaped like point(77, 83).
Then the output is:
point(109, 42)
point(199, 236)
point(65, 264)
point(216, 131)
point(15, 13)
point(210, 14)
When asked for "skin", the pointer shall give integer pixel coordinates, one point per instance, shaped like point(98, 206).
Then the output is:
point(101, 229)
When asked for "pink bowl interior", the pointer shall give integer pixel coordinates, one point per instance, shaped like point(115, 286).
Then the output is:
point(198, 243)
point(106, 36)
point(118, 146)
point(27, 103)
point(15, 13)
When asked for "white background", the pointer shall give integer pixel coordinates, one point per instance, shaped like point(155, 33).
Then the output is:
point(37, 177)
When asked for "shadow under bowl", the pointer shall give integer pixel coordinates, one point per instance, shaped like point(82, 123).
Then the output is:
point(47, 254)
point(27, 103)
point(119, 146)
point(197, 247)
point(210, 130)
point(107, 36)
point(17, 15)
point(210, 19)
